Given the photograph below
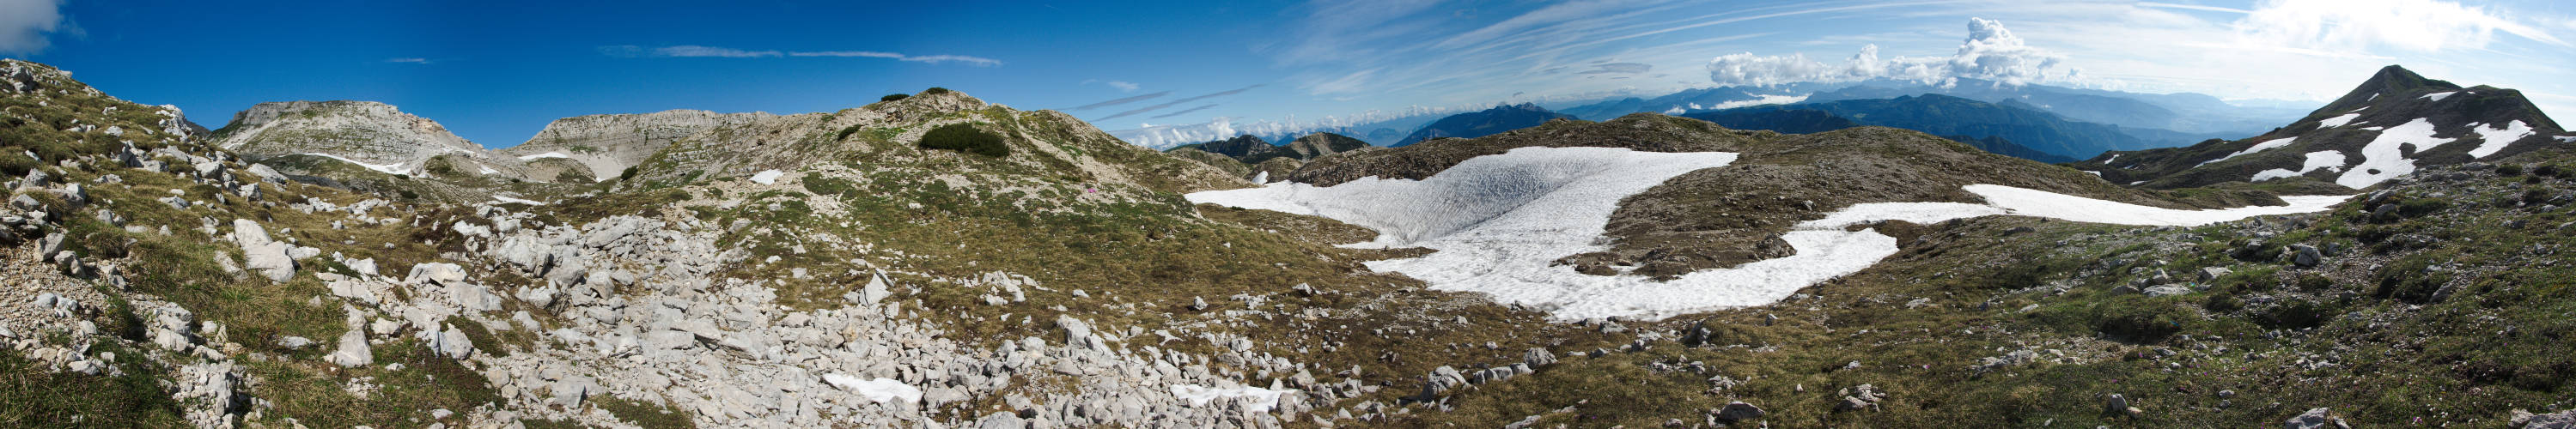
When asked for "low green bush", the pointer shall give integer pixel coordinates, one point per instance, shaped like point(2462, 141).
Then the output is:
point(965, 138)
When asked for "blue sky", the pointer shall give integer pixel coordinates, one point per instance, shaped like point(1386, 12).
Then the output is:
point(496, 72)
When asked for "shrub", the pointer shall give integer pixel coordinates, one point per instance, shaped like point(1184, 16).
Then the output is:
point(2509, 170)
point(893, 97)
point(2411, 279)
point(935, 90)
point(965, 138)
point(628, 174)
point(573, 175)
point(15, 162)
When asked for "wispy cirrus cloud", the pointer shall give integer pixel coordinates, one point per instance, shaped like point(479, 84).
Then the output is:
point(1177, 102)
point(1620, 68)
point(931, 59)
point(1124, 100)
point(1183, 111)
point(697, 51)
point(422, 61)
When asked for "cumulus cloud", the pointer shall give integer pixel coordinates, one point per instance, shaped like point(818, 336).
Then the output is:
point(1990, 52)
point(696, 51)
point(2359, 25)
point(26, 24)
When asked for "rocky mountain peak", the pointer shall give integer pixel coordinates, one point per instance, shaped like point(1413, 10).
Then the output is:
point(2393, 124)
point(1318, 145)
point(2390, 80)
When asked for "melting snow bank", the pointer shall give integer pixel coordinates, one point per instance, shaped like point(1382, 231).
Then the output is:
point(1499, 221)
point(395, 168)
point(879, 390)
point(766, 177)
point(1255, 399)
point(1528, 196)
point(502, 199)
point(2007, 200)
point(545, 155)
point(2385, 157)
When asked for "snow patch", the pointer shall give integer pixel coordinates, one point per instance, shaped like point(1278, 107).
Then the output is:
point(767, 177)
point(2438, 96)
point(395, 168)
point(545, 155)
point(1259, 400)
point(2384, 158)
point(502, 199)
point(2338, 120)
point(1261, 177)
point(880, 390)
point(1526, 191)
point(487, 170)
point(2494, 140)
point(2258, 147)
point(2095, 173)
point(1497, 223)
point(2319, 160)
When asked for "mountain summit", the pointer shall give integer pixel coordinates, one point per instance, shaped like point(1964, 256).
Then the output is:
point(2393, 124)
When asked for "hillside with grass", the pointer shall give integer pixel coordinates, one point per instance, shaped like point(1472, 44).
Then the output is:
point(937, 260)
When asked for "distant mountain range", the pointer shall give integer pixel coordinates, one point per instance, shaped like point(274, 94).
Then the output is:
point(1484, 123)
point(2021, 130)
point(2162, 119)
point(1256, 159)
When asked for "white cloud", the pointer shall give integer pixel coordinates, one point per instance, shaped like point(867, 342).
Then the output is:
point(408, 60)
point(686, 51)
point(2360, 25)
point(1123, 86)
point(969, 60)
point(696, 51)
point(1990, 53)
point(930, 59)
point(860, 54)
point(24, 24)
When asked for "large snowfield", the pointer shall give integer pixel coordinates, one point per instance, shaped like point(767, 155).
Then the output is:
point(1498, 221)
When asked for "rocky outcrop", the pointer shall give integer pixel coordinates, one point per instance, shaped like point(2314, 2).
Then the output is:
point(605, 145)
point(366, 133)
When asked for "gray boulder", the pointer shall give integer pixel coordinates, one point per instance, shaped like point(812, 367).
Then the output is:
point(2305, 255)
point(2316, 418)
point(1738, 411)
point(2558, 420)
point(260, 254)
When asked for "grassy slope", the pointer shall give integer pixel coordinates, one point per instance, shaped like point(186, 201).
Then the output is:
point(2362, 333)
